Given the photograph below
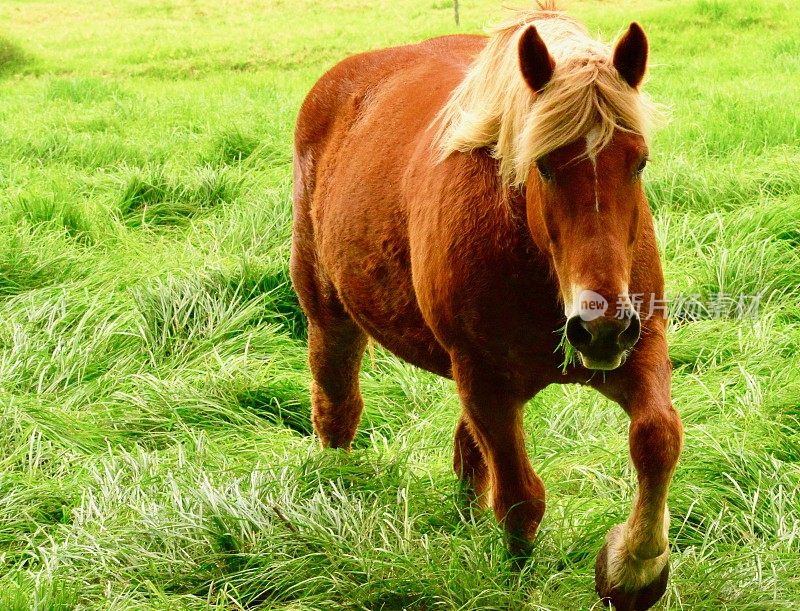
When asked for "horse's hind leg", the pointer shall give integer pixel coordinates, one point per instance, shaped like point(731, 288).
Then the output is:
point(335, 343)
point(335, 349)
point(469, 463)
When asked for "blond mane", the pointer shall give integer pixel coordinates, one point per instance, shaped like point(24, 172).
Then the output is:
point(493, 107)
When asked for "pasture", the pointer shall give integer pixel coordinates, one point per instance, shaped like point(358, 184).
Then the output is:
point(155, 441)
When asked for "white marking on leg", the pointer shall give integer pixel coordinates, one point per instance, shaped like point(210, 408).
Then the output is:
point(627, 570)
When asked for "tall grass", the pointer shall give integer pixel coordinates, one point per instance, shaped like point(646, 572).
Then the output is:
point(155, 443)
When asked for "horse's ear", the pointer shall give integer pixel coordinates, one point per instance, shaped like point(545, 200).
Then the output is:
point(535, 61)
point(630, 55)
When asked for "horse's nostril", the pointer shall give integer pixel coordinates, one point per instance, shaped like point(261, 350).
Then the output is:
point(577, 333)
point(630, 335)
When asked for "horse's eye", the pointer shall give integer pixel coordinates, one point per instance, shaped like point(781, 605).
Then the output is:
point(544, 170)
point(641, 167)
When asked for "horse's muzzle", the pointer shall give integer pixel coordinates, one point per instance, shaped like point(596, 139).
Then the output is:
point(603, 342)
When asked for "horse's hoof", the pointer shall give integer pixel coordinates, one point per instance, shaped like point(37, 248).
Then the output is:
point(519, 551)
point(638, 598)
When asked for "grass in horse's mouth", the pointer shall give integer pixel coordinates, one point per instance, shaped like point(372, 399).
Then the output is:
point(570, 354)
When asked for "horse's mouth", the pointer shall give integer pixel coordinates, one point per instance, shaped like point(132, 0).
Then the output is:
point(603, 364)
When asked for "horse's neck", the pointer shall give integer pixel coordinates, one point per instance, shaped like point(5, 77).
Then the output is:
point(504, 210)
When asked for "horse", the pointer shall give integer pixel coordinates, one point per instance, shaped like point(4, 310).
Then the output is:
point(475, 205)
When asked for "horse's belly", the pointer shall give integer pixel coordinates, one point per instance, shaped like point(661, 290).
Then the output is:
point(377, 293)
point(365, 254)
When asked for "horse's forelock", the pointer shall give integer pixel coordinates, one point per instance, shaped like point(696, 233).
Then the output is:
point(494, 108)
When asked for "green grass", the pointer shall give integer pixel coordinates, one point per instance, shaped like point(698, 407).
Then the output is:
point(155, 446)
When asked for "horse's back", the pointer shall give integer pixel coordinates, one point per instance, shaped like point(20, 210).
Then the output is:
point(345, 94)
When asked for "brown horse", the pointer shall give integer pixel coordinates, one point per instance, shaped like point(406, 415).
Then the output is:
point(464, 200)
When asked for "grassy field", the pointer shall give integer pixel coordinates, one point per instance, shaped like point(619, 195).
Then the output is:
point(155, 445)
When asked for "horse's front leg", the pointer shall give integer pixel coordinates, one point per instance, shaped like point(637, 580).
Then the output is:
point(493, 418)
point(633, 566)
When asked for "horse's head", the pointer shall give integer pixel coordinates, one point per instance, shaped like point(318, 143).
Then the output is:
point(584, 206)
